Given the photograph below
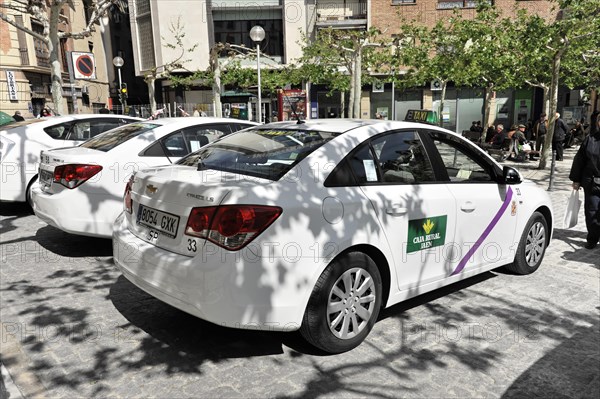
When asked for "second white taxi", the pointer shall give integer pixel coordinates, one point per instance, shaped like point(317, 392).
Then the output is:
point(317, 226)
point(80, 188)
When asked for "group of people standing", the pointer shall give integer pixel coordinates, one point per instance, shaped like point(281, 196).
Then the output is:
point(560, 134)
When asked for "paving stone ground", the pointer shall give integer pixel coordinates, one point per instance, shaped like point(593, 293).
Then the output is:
point(72, 326)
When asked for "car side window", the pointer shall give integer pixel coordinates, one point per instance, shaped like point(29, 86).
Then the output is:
point(175, 145)
point(459, 163)
point(395, 158)
point(80, 131)
point(199, 136)
point(60, 131)
point(104, 125)
point(401, 158)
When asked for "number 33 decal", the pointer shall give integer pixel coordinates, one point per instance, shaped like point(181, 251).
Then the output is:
point(192, 245)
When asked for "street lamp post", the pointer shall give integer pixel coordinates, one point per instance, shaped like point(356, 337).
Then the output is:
point(257, 34)
point(118, 63)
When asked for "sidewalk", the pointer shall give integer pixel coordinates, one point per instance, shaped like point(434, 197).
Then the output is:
point(566, 244)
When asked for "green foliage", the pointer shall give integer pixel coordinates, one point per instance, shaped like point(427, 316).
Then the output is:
point(330, 58)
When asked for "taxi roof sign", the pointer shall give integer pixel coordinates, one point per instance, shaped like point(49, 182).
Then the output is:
point(422, 116)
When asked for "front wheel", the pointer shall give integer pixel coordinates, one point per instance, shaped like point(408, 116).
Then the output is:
point(532, 246)
point(344, 304)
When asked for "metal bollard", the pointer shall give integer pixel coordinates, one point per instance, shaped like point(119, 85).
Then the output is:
point(552, 166)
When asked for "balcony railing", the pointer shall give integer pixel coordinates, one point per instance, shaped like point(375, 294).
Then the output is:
point(340, 10)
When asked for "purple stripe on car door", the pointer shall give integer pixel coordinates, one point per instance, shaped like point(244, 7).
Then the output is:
point(485, 233)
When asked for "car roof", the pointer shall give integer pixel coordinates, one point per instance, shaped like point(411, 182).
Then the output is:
point(344, 125)
point(55, 120)
point(194, 120)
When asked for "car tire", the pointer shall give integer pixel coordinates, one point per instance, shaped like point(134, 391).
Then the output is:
point(332, 321)
point(28, 191)
point(532, 246)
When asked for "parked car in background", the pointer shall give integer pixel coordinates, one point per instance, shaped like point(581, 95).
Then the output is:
point(317, 226)
point(81, 188)
point(21, 143)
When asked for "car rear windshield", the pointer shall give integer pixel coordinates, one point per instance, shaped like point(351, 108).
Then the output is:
point(109, 140)
point(268, 154)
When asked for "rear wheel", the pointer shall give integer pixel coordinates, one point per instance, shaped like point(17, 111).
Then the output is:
point(532, 246)
point(344, 304)
point(28, 191)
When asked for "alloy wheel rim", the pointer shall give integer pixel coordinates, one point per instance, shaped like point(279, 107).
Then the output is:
point(535, 244)
point(351, 303)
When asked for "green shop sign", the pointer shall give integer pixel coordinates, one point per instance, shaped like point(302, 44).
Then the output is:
point(426, 233)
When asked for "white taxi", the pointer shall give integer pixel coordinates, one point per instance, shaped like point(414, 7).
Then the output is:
point(21, 143)
point(317, 226)
point(81, 188)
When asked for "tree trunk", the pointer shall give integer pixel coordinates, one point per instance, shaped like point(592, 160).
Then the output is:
point(342, 104)
point(444, 85)
point(351, 96)
point(357, 83)
point(546, 99)
point(150, 80)
point(487, 113)
point(55, 66)
point(216, 89)
point(552, 108)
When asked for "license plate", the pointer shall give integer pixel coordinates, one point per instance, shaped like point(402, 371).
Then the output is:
point(46, 177)
point(163, 222)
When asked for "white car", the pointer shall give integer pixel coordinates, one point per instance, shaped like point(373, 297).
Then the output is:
point(21, 143)
point(81, 188)
point(257, 232)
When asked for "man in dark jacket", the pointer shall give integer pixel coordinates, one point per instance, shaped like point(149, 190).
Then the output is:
point(560, 132)
point(539, 130)
point(585, 173)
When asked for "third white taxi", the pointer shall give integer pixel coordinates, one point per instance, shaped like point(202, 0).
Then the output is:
point(317, 226)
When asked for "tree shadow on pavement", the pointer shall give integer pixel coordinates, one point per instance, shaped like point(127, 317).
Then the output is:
point(571, 369)
point(576, 241)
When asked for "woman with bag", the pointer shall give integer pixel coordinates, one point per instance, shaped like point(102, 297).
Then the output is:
point(585, 173)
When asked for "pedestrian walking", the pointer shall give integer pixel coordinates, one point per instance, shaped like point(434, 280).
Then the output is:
point(560, 132)
point(585, 173)
point(540, 130)
point(104, 110)
point(17, 116)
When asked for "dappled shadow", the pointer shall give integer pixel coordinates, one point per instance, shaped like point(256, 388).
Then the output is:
point(16, 209)
point(184, 333)
point(571, 369)
point(576, 241)
point(61, 243)
point(12, 212)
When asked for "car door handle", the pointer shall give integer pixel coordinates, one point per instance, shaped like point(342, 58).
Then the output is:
point(396, 211)
point(467, 207)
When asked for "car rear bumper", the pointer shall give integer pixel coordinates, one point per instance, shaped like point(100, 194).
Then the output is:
point(76, 212)
point(222, 288)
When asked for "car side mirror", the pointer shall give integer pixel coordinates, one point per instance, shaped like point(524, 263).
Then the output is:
point(510, 175)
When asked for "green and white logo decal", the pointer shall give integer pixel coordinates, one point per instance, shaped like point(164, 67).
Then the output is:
point(426, 233)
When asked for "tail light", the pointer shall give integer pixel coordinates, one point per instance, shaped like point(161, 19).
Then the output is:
point(127, 201)
point(73, 175)
point(231, 226)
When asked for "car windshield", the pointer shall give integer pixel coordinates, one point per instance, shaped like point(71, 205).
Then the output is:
point(109, 140)
point(268, 154)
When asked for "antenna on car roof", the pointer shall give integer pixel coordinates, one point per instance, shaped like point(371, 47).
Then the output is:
point(299, 121)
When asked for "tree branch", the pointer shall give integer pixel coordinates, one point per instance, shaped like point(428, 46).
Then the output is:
point(6, 19)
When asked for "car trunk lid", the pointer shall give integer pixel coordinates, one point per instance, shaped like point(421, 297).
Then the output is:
point(163, 198)
point(87, 160)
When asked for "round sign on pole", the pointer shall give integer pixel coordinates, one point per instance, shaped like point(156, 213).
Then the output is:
point(84, 66)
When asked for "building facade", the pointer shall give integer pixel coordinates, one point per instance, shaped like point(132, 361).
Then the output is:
point(287, 22)
point(25, 69)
